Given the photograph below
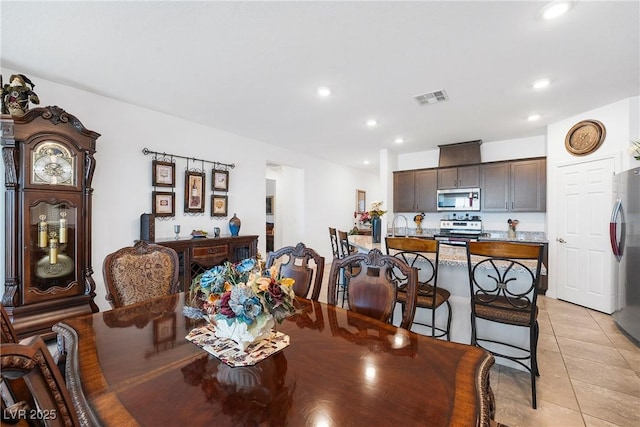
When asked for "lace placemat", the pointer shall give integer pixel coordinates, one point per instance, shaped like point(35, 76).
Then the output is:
point(227, 350)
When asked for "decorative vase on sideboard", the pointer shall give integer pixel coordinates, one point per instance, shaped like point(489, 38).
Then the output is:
point(376, 226)
point(234, 225)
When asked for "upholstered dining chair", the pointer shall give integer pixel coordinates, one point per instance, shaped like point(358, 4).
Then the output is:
point(424, 255)
point(140, 272)
point(373, 286)
point(302, 264)
point(504, 277)
point(31, 363)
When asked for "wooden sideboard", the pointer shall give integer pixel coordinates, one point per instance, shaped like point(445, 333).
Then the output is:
point(200, 254)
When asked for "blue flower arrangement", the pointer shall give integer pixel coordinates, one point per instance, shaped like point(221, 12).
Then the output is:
point(242, 292)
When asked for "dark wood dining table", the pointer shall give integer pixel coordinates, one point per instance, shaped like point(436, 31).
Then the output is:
point(133, 366)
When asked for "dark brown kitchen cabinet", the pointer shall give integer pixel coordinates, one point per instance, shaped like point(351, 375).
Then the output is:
point(529, 186)
point(49, 165)
point(459, 177)
point(514, 186)
point(495, 187)
point(415, 190)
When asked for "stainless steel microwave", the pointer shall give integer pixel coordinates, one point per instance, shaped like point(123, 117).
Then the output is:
point(459, 199)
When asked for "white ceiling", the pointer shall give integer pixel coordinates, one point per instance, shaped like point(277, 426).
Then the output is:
point(251, 68)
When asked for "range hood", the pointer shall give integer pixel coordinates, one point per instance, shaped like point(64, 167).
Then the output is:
point(459, 154)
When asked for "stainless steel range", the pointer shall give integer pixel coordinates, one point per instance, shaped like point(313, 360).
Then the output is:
point(459, 231)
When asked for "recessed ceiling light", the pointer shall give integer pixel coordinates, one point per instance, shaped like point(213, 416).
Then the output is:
point(555, 9)
point(399, 140)
point(533, 117)
point(541, 84)
point(366, 162)
point(323, 91)
point(372, 123)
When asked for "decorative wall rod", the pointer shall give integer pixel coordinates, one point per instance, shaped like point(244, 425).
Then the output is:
point(146, 152)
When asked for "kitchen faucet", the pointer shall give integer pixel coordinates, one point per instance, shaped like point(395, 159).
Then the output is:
point(393, 225)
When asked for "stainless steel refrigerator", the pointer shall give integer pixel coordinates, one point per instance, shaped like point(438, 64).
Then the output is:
point(624, 230)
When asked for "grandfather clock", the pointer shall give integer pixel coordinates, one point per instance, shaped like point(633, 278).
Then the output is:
point(49, 165)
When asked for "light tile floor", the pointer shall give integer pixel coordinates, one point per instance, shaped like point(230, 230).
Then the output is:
point(589, 372)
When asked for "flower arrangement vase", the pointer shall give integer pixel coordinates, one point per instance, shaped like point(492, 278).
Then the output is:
point(376, 228)
point(234, 225)
point(243, 334)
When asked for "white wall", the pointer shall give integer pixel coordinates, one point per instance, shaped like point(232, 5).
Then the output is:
point(622, 123)
point(122, 180)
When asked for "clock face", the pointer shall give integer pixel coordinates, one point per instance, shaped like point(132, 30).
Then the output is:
point(585, 137)
point(53, 164)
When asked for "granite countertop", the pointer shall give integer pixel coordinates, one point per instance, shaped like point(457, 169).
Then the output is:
point(489, 235)
point(449, 254)
point(521, 236)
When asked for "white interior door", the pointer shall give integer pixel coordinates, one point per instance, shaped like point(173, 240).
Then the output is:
point(584, 258)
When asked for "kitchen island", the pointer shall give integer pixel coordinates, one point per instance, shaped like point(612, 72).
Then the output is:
point(453, 276)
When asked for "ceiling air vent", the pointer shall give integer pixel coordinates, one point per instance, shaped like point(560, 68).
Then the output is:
point(431, 97)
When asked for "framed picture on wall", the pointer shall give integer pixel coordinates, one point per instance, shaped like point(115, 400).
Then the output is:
point(194, 192)
point(270, 205)
point(220, 180)
point(164, 203)
point(163, 174)
point(361, 201)
point(219, 206)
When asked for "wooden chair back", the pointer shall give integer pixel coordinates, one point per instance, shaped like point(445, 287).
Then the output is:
point(504, 277)
point(343, 242)
point(302, 264)
point(140, 272)
point(420, 253)
point(333, 237)
point(8, 334)
point(31, 363)
point(373, 286)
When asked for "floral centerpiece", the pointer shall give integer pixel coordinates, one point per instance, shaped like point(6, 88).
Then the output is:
point(242, 301)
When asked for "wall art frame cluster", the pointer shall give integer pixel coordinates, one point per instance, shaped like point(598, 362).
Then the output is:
point(163, 179)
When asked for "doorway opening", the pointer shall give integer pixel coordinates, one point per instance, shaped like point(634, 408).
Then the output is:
point(270, 215)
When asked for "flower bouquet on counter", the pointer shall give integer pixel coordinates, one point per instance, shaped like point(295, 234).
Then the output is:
point(241, 301)
point(365, 218)
point(418, 220)
point(376, 210)
point(512, 227)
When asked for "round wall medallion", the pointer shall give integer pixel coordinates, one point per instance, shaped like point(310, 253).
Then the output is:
point(585, 137)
